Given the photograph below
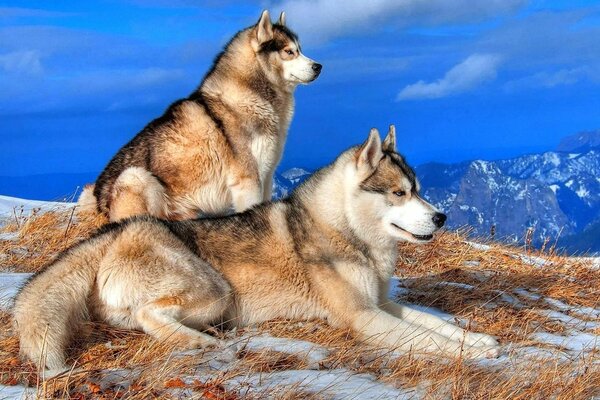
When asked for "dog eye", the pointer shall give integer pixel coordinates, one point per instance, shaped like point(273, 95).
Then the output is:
point(290, 52)
point(400, 193)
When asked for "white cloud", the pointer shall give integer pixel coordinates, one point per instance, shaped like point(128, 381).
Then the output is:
point(549, 80)
point(472, 72)
point(22, 62)
point(320, 20)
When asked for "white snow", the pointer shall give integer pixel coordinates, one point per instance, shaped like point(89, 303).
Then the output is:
point(577, 342)
point(459, 285)
point(552, 158)
point(532, 260)
point(312, 353)
point(9, 285)
point(479, 246)
point(568, 320)
point(17, 392)
point(294, 174)
point(13, 207)
point(8, 204)
point(582, 192)
point(9, 236)
point(331, 384)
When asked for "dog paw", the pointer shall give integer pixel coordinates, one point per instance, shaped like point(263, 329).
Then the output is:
point(201, 341)
point(483, 352)
point(480, 340)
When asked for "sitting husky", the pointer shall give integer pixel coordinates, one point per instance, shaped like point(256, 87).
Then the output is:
point(218, 148)
point(328, 251)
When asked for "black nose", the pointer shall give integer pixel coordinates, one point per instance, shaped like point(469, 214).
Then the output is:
point(439, 219)
point(317, 68)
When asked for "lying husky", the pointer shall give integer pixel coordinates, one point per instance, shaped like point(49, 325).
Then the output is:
point(328, 252)
point(218, 148)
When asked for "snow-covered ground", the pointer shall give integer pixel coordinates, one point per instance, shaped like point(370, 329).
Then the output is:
point(576, 342)
point(12, 207)
point(577, 339)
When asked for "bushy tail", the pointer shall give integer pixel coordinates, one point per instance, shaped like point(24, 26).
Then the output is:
point(87, 201)
point(52, 307)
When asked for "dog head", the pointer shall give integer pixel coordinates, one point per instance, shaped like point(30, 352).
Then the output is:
point(384, 194)
point(279, 55)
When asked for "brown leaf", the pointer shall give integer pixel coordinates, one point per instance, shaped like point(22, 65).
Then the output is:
point(175, 383)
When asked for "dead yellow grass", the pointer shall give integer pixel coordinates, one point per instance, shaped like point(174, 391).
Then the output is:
point(42, 236)
point(157, 370)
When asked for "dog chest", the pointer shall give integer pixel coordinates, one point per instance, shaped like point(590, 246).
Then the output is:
point(266, 150)
point(362, 278)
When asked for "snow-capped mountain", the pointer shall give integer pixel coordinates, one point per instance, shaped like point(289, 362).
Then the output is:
point(285, 182)
point(556, 193)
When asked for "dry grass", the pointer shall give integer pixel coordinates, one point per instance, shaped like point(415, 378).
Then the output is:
point(152, 370)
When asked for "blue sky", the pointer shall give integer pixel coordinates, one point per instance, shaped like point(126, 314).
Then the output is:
point(461, 79)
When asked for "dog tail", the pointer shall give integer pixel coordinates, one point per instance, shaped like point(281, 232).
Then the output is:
point(87, 201)
point(52, 307)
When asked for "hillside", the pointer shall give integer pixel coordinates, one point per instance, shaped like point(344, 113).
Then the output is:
point(544, 309)
point(556, 194)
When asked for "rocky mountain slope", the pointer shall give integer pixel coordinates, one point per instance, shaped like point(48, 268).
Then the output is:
point(553, 195)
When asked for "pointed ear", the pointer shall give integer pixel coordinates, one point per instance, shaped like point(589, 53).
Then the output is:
point(281, 20)
point(264, 29)
point(370, 153)
point(389, 143)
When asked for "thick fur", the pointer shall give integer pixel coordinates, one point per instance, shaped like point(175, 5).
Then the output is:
point(328, 252)
point(217, 149)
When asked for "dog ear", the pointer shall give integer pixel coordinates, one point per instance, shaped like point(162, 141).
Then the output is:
point(281, 20)
point(370, 153)
point(389, 143)
point(264, 29)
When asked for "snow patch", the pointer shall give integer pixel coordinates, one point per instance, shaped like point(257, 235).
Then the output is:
point(582, 192)
point(11, 205)
point(17, 392)
point(479, 246)
point(312, 353)
point(333, 384)
point(576, 342)
point(10, 283)
point(293, 174)
point(9, 236)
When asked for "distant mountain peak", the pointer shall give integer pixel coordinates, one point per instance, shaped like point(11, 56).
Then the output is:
point(294, 173)
point(557, 193)
point(580, 142)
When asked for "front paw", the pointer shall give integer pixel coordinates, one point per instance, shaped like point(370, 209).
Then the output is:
point(480, 340)
point(482, 352)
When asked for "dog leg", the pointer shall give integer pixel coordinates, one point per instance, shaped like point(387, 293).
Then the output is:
point(268, 187)
point(87, 201)
point(378, 327)
point(137, 192)
point(349, 308)
point(161, 319)
point(245, 193)
point(437, 325)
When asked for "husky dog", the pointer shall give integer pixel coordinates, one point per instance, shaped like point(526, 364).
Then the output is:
point(328, 251)
point(218, 148)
